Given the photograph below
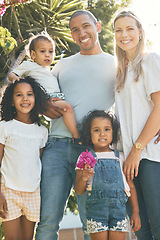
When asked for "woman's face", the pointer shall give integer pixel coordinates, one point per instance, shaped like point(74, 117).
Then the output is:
point(127, 35)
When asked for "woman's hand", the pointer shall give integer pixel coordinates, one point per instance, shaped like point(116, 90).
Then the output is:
point(3, 206)
point(131, 164)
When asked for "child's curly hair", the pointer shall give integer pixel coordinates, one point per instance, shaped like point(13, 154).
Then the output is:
point(86, 126)
point(8, 111)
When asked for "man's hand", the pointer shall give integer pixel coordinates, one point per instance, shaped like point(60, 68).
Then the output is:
point(54, 111)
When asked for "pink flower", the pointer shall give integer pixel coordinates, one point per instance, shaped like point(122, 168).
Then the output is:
point(86, 158)
point(2, 11)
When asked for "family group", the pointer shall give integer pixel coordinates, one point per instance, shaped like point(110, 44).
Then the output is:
point(111, 159)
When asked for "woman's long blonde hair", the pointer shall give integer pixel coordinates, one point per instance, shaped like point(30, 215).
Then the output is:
point(121, 54)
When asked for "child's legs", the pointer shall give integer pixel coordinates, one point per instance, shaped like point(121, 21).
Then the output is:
point(69, 117)
point(100, 236)
point(16, 226)
point(116, 235)
point(108, 235)
point(18, 229)
point(27, 228)
point(12, 229)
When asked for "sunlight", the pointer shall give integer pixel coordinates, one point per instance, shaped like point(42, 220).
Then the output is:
point(148, 12)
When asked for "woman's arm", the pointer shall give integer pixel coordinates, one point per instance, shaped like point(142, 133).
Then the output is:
point(149, 131)
point(135, 221)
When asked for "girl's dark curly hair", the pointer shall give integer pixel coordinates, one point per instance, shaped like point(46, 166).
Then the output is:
point(8, 111)
point(86, 126)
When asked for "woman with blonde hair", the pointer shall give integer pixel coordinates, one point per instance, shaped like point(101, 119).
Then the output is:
point(138, 109)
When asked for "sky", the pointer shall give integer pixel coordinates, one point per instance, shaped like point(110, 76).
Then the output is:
point(149, 13)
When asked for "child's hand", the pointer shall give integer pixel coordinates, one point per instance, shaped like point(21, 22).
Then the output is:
point(3, 206)
point(135, 222)
point(17, 78)
point(87, 173)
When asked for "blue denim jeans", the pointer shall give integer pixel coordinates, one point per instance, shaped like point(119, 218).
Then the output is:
point(58, 176)
point(148, 190)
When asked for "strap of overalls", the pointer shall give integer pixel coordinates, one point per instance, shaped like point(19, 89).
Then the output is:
point(93, 153)
point(116, 152)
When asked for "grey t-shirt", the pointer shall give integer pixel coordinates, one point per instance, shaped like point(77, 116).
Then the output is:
point(88, 84)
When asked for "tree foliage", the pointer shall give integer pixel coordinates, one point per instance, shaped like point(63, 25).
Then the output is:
point(22, 20)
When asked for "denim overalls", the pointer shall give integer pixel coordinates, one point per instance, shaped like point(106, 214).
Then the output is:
point(105, 204)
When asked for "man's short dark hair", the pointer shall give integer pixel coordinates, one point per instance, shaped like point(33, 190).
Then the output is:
point(82, 12)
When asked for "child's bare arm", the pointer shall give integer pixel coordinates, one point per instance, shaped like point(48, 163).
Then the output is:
point(69, 117)
point(3, 203)
point(81, 178)
point(13, 77)
point(135, 221)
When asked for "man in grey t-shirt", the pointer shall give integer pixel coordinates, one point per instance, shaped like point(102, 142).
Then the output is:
point(87, 79)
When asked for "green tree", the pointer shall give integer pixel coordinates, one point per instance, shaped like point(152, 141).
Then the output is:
point(34, 17)
point(7, 44)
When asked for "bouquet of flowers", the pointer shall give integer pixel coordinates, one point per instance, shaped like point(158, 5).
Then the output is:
point(86, 158)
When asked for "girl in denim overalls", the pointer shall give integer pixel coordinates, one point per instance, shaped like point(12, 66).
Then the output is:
point(105, 203)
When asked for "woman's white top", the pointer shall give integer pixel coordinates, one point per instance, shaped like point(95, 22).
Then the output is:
point(134, 105)
point(21, 164)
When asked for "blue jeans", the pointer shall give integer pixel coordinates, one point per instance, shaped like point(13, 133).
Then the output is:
point(58, 176)
point(148, 190)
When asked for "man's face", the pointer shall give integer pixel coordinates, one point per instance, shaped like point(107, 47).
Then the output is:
point(85, 33)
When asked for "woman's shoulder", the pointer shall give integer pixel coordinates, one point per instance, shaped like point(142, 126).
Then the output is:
point(151, 58)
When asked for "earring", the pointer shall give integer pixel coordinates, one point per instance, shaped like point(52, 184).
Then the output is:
point(140, 38)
